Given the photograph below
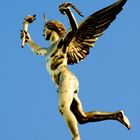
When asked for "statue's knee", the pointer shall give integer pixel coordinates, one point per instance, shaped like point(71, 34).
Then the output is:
point(63, 108)
point(81, 120)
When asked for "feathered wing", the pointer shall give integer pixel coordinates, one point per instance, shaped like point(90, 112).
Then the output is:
point(90, 30)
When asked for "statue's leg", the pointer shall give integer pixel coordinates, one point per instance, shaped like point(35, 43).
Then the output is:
point(65, 94)
point(86, 117)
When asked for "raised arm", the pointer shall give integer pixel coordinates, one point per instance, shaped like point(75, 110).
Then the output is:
point(34, 47)
point(65, 9)
point(27, 39)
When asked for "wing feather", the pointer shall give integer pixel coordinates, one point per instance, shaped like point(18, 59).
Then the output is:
point(90, 30)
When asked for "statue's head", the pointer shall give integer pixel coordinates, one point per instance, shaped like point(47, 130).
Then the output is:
point(53, 25)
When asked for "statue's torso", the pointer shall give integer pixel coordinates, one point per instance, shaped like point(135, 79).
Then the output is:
point(56, 60)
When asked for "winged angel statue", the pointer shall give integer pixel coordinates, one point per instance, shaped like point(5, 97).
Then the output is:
point(69, 48)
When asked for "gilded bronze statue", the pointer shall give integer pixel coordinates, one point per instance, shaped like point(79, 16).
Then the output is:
point(69, 48)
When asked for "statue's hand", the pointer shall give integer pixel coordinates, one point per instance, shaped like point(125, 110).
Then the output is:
point(63, 7)
point(26, 34)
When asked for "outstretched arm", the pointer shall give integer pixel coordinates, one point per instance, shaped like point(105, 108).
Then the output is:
point(65, 9)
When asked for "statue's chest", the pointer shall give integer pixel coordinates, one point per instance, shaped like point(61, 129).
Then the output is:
point(55, 58)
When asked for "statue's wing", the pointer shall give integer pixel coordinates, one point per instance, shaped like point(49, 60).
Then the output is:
point(90, 30)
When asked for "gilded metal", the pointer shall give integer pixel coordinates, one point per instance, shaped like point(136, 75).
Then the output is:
point(69, 48)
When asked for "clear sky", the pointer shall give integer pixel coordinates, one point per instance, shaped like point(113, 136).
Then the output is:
point(109, 77)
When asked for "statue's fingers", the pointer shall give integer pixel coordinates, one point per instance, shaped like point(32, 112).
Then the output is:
point(26, 38)
point(62, 11)
point(25, 32)
point(21, 34)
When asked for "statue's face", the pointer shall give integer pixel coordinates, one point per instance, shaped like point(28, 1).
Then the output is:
point(47, 33)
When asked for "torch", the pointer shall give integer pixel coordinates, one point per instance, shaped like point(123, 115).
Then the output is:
point(27, 20)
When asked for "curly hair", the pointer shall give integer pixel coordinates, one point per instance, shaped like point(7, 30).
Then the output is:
point(57, 27)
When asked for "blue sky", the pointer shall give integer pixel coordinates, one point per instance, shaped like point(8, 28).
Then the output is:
point(109, 77)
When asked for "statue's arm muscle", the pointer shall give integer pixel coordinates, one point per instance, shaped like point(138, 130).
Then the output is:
point(36, 48)
point(72, 20)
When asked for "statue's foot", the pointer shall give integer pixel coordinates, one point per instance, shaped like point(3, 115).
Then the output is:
point(123, 119)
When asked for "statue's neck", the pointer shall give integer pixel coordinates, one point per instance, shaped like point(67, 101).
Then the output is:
point(54, 37)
